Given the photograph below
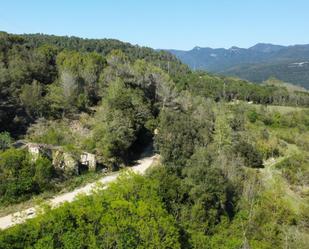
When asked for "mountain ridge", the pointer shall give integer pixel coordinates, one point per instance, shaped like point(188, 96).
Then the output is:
point(256, 63)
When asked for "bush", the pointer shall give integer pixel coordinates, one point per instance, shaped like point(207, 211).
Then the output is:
point(252, 157)
point(51, 132)
point(253, 116)
point(295, 169)
point(5, 140)
point(268, 148)
point(17, 173)
point(21, 177)
point(44, 172)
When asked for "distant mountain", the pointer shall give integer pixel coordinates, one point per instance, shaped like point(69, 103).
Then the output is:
point(257, 63)
point(266, 48)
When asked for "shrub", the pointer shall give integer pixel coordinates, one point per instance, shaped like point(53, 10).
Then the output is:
point(253, 116)
point(44, 172)
point(21, 177)
point(17, 172)
point(5, 140)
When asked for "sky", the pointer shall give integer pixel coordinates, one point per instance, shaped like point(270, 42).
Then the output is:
point(166, 24)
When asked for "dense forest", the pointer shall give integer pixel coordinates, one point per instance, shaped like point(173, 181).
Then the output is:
point(234, 164)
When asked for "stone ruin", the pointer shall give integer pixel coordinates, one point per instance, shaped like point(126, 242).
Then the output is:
point(35, 150)
point(61, 160)
point(88, 160)
point(65, 162)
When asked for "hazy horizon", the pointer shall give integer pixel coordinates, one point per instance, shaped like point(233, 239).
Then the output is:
point(164, 25)
point(159, 48)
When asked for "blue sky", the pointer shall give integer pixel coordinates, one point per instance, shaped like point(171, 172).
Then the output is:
point(179, 24)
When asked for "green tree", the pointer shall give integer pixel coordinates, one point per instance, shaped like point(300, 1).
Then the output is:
point(177, 137)
point(223, 132)
point(252, 156)
point(31, 98)
point(208, 191)
point(120, 121)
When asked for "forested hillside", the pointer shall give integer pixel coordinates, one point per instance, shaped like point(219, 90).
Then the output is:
point(234, 161)
point(29, 65)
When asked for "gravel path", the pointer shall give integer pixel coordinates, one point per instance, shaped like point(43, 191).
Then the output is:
point(20, 217)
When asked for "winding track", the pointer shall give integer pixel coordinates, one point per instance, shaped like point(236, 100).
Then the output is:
point(20, 217)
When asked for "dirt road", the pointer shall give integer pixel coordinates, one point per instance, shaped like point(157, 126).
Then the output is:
point(20, 217)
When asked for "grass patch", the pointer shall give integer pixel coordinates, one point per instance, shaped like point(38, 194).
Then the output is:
point(281, 109)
